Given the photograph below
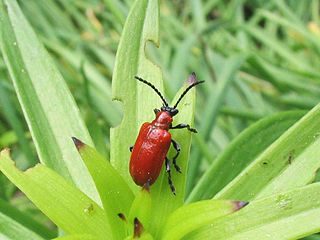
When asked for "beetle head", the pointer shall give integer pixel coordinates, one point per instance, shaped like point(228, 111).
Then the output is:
point(172, 111)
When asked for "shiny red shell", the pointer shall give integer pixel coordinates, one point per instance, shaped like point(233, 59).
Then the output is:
point(150, 149)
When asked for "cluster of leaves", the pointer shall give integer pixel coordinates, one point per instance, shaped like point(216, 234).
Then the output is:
point(258, 59)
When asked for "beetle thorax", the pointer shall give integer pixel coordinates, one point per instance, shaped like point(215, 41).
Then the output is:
point(163, 120)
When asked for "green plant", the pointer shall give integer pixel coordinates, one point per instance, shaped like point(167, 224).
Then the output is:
point(83, 196)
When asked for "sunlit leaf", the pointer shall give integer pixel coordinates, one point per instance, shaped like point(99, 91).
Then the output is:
point(64, 204)
point(295, 153)
point(287, 215)
point(241, 152)
point(137, 99)
point(195, 215)
point(115, 194)
point(50, 111)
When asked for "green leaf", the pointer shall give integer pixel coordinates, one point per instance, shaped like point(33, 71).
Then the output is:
point(178, 67)
point(8, 211)
point(99, 87)
point(295, 153)
point(312, 237)
point(226, 75)
point(138, 100)
point(281, 49)
point(163, 200)
point(214, 102)
point(296, 25)
point(96, 129)
point(117, 9)
point(195, 215)
point(141, 208)
point(48, 106)
point(144, 236)
point(11, 115)
point(291, 215)
point(115, 194)
point(77, 237)
point(241, 152)
point(284, 79)
point(198, 14)
point(64, 204)
point(12, 230)
point(8, 138)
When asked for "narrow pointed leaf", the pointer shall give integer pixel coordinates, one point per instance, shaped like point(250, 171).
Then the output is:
point(312, 237)
point(64, 204)
point(288, 215)
point(295, 153)
point(241, 152)
point(47, 104)
point(115, 194)
point(162, 197)
point(11, 212)
point(138, 99)
point(195, 215)
point(281, 49)
point(12, 230)
point(225, 76)
point(10, 113)
point(144, 236)
point(77, 237)
point(99, 87)
point(141, 207)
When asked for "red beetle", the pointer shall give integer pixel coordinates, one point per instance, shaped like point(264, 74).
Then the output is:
point(154, 139)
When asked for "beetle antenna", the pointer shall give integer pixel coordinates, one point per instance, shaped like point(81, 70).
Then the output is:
point(185, 92)
point(154, 88)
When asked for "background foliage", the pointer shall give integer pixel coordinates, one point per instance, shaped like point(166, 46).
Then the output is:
point(258, 58)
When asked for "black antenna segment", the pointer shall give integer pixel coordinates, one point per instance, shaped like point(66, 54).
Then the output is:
point(185, 92)
point(154, 88)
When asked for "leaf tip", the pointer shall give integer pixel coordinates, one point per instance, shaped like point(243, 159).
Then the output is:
point(138, 228)
point(146, 187)
point(79, 144)
point(122, 217)
point(193, 81)
point(192, 78)
point(5, 152)
point(239, 204)
point(6, 158)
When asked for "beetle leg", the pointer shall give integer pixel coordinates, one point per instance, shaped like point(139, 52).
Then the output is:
point(176, 146)
point(130, 148)
point(183, 125)
point(156, 110)
point(173, 190)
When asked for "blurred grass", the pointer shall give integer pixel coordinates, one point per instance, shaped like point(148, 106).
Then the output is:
point(276, 41)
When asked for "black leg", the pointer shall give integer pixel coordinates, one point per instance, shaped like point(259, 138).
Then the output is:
point(130, 148)
point(173, 190)
point(183, 125)
point(156, 110)
point(177, 148)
